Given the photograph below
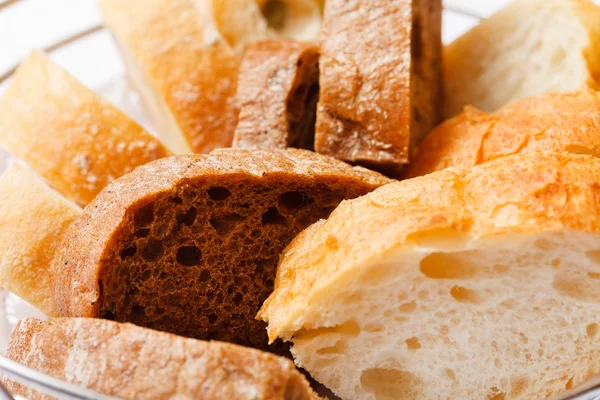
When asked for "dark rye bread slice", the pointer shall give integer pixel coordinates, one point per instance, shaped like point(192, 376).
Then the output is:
point(190, 244)
point(277, 94)
point(128, 362)
point(380, 80)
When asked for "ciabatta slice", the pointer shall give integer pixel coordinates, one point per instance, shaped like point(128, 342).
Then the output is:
point(469, 284)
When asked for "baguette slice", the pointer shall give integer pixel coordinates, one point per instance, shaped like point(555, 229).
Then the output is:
point(33, 219)
point(526, 49)
point(190, 244)
point(130, 362)
point(184, 58)
point(278, 91)
point(470, 284)
point(549, 122)
point(67, 133)
point(380, 82)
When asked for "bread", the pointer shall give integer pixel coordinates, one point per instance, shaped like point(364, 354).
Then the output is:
point(549, 122)
point(465, 284)
point(528, 48)
point(277, 92)
point(380, 80)
point(190, 244)
point(184, 58)
point(32, 220)
point(67, 133)
point(130, 362)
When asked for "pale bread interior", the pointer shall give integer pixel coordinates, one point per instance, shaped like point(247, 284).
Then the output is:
point(529, 48)
point(455, 317)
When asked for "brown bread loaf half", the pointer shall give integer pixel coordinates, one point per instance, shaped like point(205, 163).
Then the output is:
point(130, 362)
point(190, 244)
point(278, 89)
point(380, 80)
point(549, 122)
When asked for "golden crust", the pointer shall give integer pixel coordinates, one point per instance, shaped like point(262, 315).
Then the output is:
point(370, 56)
point(271, 74)
point(33, 219)
point(186, 62)
point(77, 265)
point(550, 122)
point(129, 362)
point(71, 136)
point(526, 193)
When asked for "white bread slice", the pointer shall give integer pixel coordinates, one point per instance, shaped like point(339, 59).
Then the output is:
point(184, 56)
point(478, 283)
point(75, 139)
point(33, 219)
point(528, 48)
point(548, 122)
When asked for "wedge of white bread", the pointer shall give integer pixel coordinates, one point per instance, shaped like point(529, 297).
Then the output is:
point(549, 122)
point(130, 362)
point(71, 136)
point(33, 219)
point(184, 58)
point(463, 284)
point(528, 48)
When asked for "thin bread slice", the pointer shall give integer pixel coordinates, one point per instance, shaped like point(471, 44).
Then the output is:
point(184, 58)
point(380, 80)
point(130, 362)
point(462, 284)
point(278, 90)
point(33, 219)
point(190, 244)
point(526, 49)
point(549, 122)
point(71, 136)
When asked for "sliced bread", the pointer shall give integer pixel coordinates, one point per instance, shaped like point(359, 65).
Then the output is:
point(75, 139)
point(549, 122)
point(380, 80)
point(475, 284)
point(190, 244)
point(278, 89)
point(130, 362)
point(528, 48)
point(33, 219)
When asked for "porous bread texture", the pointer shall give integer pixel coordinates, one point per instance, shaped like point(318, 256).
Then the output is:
point(71, 136)
point(380, 80)
point(184, 58)
point(548, 122)
point(190, 244)
point(33, 219)
point(466, 284)
point(277, 93)
point(138, 363)
point(528, 48)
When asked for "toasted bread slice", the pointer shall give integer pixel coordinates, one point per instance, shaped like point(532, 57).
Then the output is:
point(463, 284)
point(144, 364)
point(550, 122)
point(277, 92)
point(71, 136)
point(190, 244)
point(380, 80)
point(526, 49)
point(33, 219)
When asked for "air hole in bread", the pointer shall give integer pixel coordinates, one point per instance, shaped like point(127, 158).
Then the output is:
point(519, 385)
point(153, 250)
point(340, 347)
point(273, 217)
point(291, 201)
point(577, 286)
point(189, 256)
point(219, 193)
point(144, 216)
point(188, 218)
point(496, 394)
point(374, 327)
point(128, 252)
point(593, 255)
point(349, 328)
point(577, 149)
point(413, 343)
point(275, 12)
point(592, 330)
point(569, 384)
point(225, 224)
point(448, 266)
point(438, 238)
point(501, 269)
point(594, 275)
point(390, 384)
point(465, 295)
point(177, 200)
point(450, 374)
point(407, 307)
point(143, 232)
point(138, 313)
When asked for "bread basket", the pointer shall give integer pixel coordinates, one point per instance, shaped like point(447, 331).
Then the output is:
point(88, 52)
